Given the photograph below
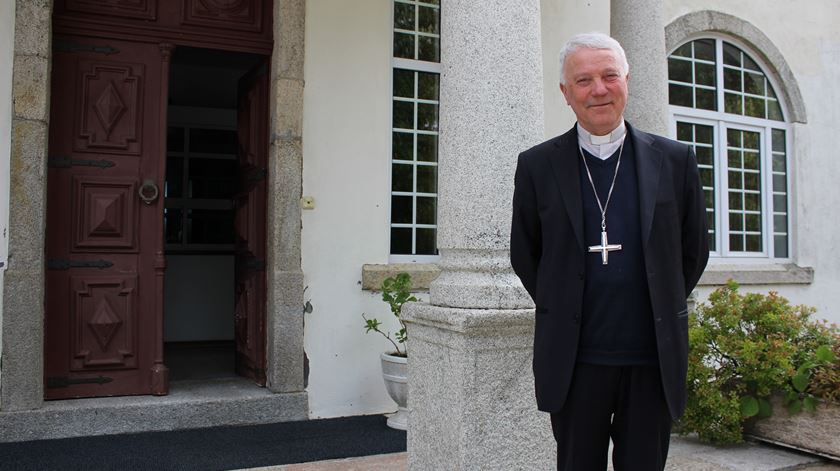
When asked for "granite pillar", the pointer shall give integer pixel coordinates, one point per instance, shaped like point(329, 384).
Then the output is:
point(643, 39)
point(471, 395)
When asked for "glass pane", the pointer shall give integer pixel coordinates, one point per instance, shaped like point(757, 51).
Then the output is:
point(427, 178)
point(679, 70)
point(753, 243)
point(403, 146)
point(753, 203)
point(174, 178)
point(780, 223)
point(429, 49)
point(780, 203)
point(754, 107)
point(704, 74)
point(774, 110)
point(733, 138)
point(213, 178)
point(704, 49)
point(779, 182)
point(751, 160)
point(707, 176)
point(751, 181)
point(732, 103)
point(427, 147)
point(432, 2)
point(213, 141)
point(754, 83)
point(403, 114)
point(778, 140)
point(679, 95)
point(429, 20)
point(731, 55)
point(704, 155)
point(404, 45)
point(683, 51)
point(705, 99)
point(684, 132)
point(404, 83)
point(175, 139)
point(403, 16)
point(209, 226)
point(750, 64)
point(426, 244)
point(703, 134)
point(736, 243)
point(401, 209)
point(751, 140)
point(732, 79)
point(736, 201)
point(427, 118)
point(173, 225)
point(736, 222)
point(426, 210)
point(401, 241)
point(734, 159)
point(709, 197)
point(735, 180)
point(780, 246)
point(712, 244)
point(402, 177)
point(428, 86)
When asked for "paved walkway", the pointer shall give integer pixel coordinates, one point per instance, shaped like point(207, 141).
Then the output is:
point(686, 454)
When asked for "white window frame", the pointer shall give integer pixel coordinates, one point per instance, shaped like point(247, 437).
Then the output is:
point(721, 121)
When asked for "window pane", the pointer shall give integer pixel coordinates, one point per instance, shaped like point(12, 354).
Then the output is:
point(427, 178)
point(704, 49)
point(750, 64)
point(705, 99)
point(212, 178)
point(704, 155)
point(427, 147)
point(709, 197)
point(679, 70)
point(213, 141)
point(427, 119)
point(174, 225)
point(779, 182)
point(683, 51)
point(403, 146)
point(751, 160)
point(404, 45)
point(427, 86)
point(703, 134)
point(732, 103)
point(735, 180)
point(731, 55)
point(751, 181)
point(780, 246)
point(736, 201)
point(780, 223)
point(404, 16)
point(429, 20)
point(752, 201)
point(778, 140)
point(733, 138)
point(736, 222)
point(734, 159)
point(753, 243)
point(175, 139)
point(754, 83)
point(774, 111)
point(402, 177)
point(780, 203)
point(208, 226)
point(704, 74)
point(679, 95)
point(403, 115)
point(401, 209)
point(426, 210)
point(404, 83)
point(736, 242)
point(401, 241)
point(707, 176)
point(174, 178)
point(751, 140)
point(684, 132)
point(429, 49)
point(754, 107)
point(732, 79)
point(426, 244)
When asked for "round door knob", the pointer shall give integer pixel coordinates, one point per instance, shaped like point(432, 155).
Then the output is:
point(148, 191)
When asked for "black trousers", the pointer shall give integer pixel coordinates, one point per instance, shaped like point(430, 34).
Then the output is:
point(622, 403)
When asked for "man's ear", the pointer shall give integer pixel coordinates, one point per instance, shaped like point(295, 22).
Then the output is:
point(563, 91)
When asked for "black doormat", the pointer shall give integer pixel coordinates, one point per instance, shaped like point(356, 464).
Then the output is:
point(217, 448)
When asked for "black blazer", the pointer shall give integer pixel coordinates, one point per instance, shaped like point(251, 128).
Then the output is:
point(547, 253)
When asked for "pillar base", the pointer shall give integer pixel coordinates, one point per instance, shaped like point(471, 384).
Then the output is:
point(478, 279)
point(471, 391)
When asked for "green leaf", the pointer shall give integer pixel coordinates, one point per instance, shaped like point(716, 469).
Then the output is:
point(765, 409)
point(824, 354)
point(749, 406)
point(790, 397)
point(795, 407)
point(810, 404)
point(800, 382)
point(805, 368)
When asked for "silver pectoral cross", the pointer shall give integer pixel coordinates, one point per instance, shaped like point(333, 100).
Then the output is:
point(605, 248)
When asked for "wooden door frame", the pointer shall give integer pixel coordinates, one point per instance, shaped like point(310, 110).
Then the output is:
point(23, 284)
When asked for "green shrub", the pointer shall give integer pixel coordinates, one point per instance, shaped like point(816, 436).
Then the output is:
point(745, 348)
point(396, 291)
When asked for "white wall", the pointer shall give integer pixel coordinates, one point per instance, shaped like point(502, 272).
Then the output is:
point(346, 168)
point(806, 34)
point(7, 40)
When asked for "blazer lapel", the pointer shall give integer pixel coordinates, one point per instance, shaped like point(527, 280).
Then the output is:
point(565, 163)
point(648, 168)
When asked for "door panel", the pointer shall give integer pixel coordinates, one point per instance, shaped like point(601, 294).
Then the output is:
point(102, 326)
point(249, 223)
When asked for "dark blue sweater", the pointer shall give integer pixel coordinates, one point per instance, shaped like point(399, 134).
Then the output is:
point(617, 325)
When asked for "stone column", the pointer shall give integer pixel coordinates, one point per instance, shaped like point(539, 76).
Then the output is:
point(470, 383)
point(639, 25)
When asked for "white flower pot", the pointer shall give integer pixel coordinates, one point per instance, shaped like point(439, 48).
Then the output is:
point(395, 374)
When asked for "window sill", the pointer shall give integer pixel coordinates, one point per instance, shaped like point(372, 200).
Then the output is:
point(422, 274)
point(779, 274)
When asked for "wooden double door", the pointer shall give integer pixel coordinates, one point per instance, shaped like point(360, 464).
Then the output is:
point(105, 250)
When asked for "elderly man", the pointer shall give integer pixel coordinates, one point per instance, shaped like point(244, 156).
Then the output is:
point(609, 238)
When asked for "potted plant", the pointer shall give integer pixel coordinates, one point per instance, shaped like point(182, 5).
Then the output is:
point(396, 291)
point(754, 360)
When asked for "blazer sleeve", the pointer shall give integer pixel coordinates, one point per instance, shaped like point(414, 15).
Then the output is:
point(695, 233)
point(526, 232)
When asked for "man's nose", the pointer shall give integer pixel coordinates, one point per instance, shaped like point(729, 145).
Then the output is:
point(599, 88)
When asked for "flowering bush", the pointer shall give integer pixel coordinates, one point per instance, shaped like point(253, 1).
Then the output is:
point(745, 348)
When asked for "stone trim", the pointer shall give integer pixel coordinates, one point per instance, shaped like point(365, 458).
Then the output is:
point(778, 274)
point(422, 274)
point(695, 23)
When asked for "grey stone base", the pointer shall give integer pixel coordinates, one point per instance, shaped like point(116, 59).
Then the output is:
point(471, 391)
point(189, 405)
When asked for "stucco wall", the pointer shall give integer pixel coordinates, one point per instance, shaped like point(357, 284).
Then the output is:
point(811, 47)
point(7, 36)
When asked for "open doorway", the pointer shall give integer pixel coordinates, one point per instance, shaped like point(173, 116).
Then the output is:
point(206, 178)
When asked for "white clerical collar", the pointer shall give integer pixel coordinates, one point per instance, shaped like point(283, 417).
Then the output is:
point(602, 146)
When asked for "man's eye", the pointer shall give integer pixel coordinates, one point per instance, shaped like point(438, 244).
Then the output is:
point(583, 81)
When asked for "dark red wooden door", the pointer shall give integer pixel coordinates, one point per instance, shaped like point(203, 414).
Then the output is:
point(104, 249)
point(250, 299)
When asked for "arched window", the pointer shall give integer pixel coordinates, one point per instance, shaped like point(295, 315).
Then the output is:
point(724, 105)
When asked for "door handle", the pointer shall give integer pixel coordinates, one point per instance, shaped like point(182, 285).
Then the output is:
point(148, 191)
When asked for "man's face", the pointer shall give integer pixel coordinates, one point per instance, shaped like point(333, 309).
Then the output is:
point(595, 88)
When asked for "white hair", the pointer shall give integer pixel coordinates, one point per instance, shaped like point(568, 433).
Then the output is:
point(594, 40)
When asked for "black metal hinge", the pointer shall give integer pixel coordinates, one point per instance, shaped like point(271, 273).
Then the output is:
point(64, 264)
point(67, 162)
point(64, 381)
point(69, 46)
